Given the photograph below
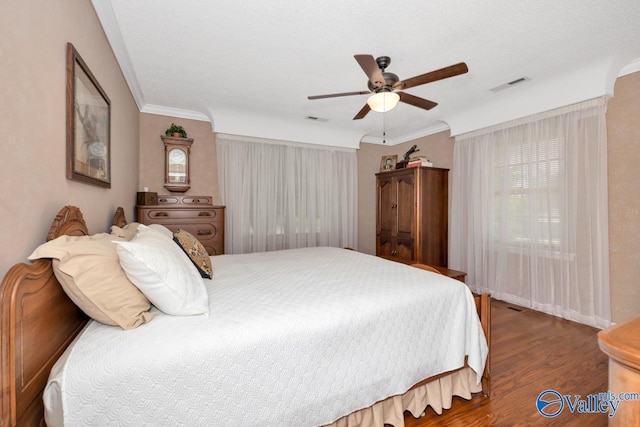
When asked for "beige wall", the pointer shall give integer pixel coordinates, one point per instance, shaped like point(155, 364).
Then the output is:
point(204, 173)
point(623, 133)
point(34, 186)
point(438, 148)
point(32, 106)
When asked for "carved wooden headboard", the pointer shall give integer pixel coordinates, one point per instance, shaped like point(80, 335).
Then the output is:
point(35, 313)
point(119, 218)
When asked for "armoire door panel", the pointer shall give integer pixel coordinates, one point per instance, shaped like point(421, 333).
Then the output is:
point(405, 250)
point(406, 205)
point(386, 201)
point(385, 246)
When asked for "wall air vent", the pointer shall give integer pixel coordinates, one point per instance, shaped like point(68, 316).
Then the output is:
point(510, 84)
point(317, 119)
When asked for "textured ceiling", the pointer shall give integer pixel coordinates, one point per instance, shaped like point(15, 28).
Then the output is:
point(253, 63)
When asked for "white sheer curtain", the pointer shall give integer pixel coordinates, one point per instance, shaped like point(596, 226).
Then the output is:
point(529, 216)
point(280, 195)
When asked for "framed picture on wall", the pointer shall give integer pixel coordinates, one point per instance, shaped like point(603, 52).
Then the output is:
point(388, 163)
point(88, 124)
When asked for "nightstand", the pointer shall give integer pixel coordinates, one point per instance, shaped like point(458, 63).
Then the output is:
point(454, 274)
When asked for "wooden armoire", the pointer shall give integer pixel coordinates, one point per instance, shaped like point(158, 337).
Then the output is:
point(412, 216)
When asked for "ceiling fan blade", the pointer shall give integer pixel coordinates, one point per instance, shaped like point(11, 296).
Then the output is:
point(442, 73)
point(335, 95)
point(371, 69)
point(425, 104)
point(362, 112)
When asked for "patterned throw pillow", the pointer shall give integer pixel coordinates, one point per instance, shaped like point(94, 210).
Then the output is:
point(196, 252)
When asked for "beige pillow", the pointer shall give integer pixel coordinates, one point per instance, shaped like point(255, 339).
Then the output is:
point(89, 271)
point(127, 232)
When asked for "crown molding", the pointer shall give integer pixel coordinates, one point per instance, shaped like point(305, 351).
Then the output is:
point(107, 19)
point(440, 127)
point(630, 68)
point(174, 112)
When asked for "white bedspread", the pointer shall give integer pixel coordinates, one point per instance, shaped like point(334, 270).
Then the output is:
point(293, 338)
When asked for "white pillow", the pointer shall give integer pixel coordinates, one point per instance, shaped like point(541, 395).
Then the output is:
point(129, 231)
point(161, 228)
point(163, 273)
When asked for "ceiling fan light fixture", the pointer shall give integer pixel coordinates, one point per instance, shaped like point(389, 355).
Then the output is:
point(383, 101)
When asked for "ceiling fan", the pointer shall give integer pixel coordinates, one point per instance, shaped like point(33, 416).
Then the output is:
point(387, 87)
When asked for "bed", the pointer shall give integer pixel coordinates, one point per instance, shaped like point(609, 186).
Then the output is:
point(42, 329)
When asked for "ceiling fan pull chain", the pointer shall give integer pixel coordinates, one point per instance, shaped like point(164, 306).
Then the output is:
point(384, 128)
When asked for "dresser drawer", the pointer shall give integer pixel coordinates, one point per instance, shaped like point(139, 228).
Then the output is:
point(211, 235)
point(171, 200)
point(158, 213)
point(202, 231)
point(213, 242)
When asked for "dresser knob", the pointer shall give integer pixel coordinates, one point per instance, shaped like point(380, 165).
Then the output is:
point(161, 214)
point(204, 214)
point(204, 232)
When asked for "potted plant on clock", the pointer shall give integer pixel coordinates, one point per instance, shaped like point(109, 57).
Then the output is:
point(176, 131)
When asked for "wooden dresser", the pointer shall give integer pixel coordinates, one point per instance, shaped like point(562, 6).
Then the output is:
point(412, 215)
point(622, 344)
point(195, 214)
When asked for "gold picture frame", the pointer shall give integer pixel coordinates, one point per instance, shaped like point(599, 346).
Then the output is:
point(88, 124)
point(388, 163)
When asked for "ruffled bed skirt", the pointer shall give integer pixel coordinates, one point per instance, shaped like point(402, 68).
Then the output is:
point(437, 393)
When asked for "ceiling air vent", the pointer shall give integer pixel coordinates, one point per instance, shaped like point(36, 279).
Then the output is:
point(317, 119)
point(510, 84)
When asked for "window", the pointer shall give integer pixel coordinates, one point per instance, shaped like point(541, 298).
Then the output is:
point(528, 195)
point(281, 195)
point(529, 212)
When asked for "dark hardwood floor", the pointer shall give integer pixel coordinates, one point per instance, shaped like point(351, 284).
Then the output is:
point(531, 352)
